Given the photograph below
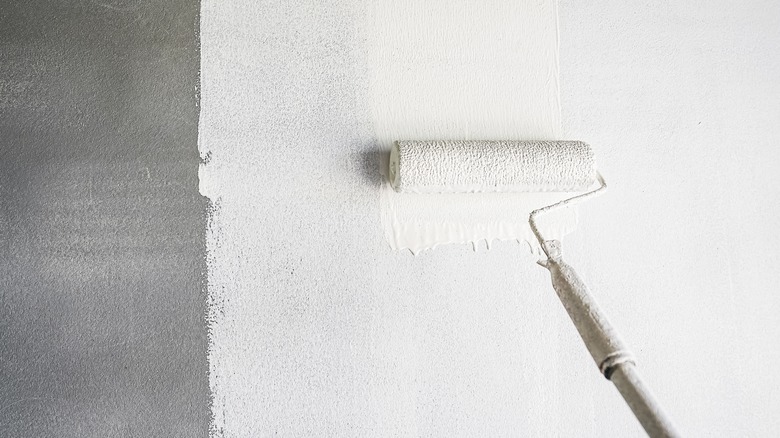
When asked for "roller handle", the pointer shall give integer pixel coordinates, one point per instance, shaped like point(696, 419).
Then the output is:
point(609, 352)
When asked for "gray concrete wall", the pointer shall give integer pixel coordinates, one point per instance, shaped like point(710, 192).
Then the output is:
point(102, 299)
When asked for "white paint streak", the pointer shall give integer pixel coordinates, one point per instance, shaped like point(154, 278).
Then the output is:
point(465, 71)
point(418, 221)
point(470, 70)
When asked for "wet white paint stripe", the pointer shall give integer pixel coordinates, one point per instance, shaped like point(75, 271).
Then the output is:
point(465, 71)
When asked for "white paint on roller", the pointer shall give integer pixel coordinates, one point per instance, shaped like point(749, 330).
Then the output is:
point(491, 166)
point(465, 71)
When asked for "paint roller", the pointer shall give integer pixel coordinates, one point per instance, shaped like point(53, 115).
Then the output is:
point(528, 166)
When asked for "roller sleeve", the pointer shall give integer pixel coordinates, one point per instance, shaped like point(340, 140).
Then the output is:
point(491, 166)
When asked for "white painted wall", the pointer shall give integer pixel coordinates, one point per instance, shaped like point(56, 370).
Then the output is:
point(682, 102)
point(320, 330)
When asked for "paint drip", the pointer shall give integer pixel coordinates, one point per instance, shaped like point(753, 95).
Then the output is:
point(420, 221)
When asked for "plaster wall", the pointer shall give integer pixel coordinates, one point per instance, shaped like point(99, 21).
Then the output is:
point(319, 329)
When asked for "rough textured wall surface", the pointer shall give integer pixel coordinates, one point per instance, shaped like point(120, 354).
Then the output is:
point(101, 224)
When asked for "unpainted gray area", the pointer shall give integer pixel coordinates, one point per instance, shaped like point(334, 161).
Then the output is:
point(102, 301)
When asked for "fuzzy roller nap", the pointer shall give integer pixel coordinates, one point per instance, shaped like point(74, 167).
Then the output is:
point(491, 166)
point(525, 166)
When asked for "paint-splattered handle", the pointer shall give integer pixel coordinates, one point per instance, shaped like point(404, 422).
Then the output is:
point(609, 352)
